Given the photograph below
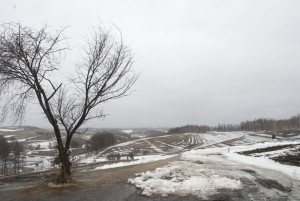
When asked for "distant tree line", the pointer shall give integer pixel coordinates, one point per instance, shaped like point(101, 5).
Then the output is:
point(271, 124)
point(254, 125)
point(226, 127)
point(189, 129)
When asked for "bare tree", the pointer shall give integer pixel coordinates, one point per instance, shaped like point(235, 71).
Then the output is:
point(101, 140)
point(5, 149)
point(29, 60)
point(17, 148)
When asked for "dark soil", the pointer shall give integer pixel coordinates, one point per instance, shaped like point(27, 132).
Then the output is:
point(288, 159)
point(271, 184)
point(267, 149)
point(252, 172)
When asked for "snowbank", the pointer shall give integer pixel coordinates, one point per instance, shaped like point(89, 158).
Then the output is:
point(182, 178)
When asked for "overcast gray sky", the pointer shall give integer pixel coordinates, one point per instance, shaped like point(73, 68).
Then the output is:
point(201, 62)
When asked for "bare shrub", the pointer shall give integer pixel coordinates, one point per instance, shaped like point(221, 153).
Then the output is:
point(113, 156)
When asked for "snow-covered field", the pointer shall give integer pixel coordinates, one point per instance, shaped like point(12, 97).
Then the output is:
point(170, 144)
point(209, 163)
point(173, 144)
point(205, 171)
point(145, 149)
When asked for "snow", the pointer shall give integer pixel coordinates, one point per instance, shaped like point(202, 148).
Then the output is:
point(263, 162)
point(175, 147)
point(182, 178)
point(91, 159)
point(45, 165)
point(8, 136)
point(266, 135)
point(137, 135)
point(140, 160)
point(43, 144)
point(281, 152)
point(152, 146)
point(39, 163)
point(127, 131)
point(210, 139)
point(87, 137)
point(10, 130)
point(200, 172)
point(24, 139)
point(203, 172)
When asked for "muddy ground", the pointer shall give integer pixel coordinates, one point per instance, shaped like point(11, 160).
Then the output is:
point(108, 184)
point(111, 185)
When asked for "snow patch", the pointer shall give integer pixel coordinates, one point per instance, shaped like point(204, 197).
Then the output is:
point(201, 172)
point(127, 131)
point(10, 130)
point(140, 160)
point(182, 178)
point(8, 136)
point(43, 144)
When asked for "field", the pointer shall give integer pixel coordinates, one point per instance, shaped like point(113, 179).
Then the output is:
point(40, 144)
point(213, 166)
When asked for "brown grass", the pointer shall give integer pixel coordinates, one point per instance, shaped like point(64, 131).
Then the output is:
point(50, 188)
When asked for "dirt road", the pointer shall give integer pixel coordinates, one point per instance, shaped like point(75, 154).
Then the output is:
point(108, 184)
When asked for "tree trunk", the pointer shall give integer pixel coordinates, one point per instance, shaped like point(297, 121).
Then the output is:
point(5, 165)
point(65, 171)
point(18, 163)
